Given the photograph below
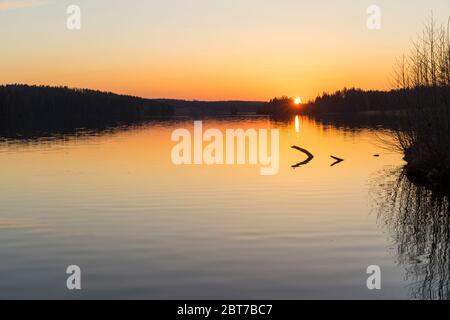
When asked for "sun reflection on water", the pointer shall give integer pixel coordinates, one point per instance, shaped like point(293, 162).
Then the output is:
point(297, 124)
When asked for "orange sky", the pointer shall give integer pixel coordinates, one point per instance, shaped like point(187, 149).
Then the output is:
point(211, 50)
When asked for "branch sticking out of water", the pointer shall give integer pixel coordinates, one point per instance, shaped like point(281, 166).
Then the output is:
point(308, 154)
point(338, 160)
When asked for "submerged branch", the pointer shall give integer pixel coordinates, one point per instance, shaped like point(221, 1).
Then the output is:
point(338, 160)
point(308, 154)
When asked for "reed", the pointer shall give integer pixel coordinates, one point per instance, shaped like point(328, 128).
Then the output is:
point(423, 76)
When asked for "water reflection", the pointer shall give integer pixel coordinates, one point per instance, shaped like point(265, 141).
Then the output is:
point(297, 124)
point(418, 220)
point(113, 202)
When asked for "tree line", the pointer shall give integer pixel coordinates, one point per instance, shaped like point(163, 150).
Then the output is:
point(355, 100)
point(24, 107)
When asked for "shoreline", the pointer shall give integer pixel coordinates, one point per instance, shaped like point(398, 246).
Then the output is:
point(433, 175)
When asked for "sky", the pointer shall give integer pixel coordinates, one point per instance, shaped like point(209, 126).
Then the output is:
point(209, 49)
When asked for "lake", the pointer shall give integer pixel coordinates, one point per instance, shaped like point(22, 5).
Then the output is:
point(138, 226)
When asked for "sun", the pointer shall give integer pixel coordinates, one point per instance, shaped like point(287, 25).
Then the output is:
point(297, 101)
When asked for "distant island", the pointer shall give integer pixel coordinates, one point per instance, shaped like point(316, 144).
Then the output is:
point(355, 101)
point(27, 110)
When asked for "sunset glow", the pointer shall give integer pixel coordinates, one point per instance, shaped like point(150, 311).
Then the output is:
point(183, 152)
point(209, 50)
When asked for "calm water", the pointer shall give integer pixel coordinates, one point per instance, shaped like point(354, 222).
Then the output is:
point(140, 227)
